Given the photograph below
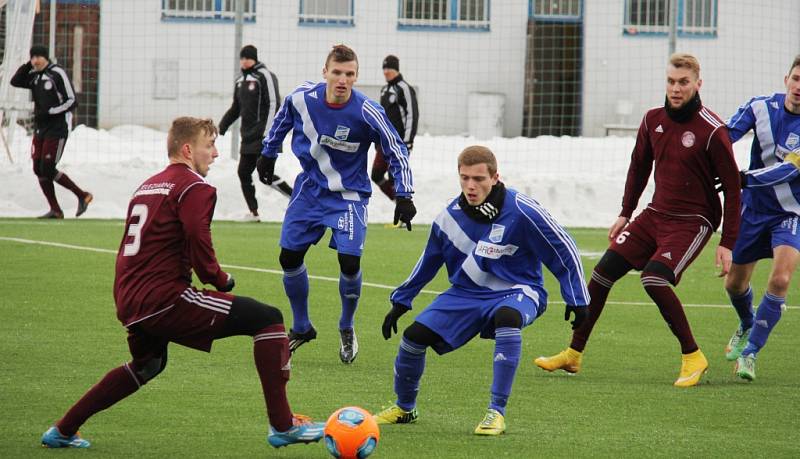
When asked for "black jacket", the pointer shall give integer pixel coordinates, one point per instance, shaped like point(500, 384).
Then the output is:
point(256, 100)
point(53, 98)
point(399, 100)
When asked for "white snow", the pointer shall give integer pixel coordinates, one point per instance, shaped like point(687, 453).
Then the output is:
point(580, 180)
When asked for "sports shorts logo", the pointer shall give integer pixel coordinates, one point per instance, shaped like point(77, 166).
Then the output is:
point(342, 132)
point(687, 139)
point(792, 141)
point(496, 235)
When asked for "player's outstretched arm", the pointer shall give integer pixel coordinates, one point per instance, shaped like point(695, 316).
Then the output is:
point(22, 78)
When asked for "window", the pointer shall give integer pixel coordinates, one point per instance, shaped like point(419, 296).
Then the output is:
point(695, 17)
point(454, 14)
point(555, 9)
point(326, 12)
point(210, 10)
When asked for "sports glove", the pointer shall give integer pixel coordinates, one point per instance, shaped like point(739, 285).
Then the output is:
point(390, 321)
point(266, 169)
point(404, 211)
point(793, 158)
point(742, 181)
point(228, 285)
point(580, 314)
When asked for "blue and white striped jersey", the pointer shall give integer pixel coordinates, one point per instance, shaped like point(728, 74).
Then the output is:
point(502, 257)
point(332, 142)
point(773, 187)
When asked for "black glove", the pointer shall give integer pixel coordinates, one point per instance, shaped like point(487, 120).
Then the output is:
point(266, 169)
point(404, 211)
point(390, 321)
point(228, 285)
point(580, 314)
point(742, 181)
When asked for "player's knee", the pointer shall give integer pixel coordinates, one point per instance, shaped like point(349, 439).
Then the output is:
point(420, 334)
point(779, 282)
point(507, 317)
point(659, 270)
point(245, 176)
point(146, 370)
point(48, 171)
point(291, 259)
point(247, 316)
point(612, 266)
point(349, 264)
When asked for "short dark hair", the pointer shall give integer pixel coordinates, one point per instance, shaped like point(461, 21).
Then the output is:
point(478, 154)
point(795, 63)
point(187, 129)
point(341, 53)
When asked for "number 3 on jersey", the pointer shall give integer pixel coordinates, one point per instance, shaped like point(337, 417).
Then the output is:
point(135, 229)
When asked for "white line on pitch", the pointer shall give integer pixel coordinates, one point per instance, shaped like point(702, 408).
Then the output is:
point(334, 279)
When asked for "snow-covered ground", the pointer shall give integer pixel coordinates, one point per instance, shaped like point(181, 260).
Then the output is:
point(579, 179)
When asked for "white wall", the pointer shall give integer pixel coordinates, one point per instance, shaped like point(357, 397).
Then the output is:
point(444, 65)
point(754, 47)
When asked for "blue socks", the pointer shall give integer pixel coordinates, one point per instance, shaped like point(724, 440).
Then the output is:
point(744, 307)
point(295, 283)
point(767, 316)
point(507, 350)
point(350, 291)
point(408, 368)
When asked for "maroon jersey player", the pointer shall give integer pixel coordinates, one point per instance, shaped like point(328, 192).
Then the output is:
point(690, 147)
point(167, 236)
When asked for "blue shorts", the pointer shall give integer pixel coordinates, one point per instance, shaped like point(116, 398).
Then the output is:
point(458, 317)
point(760, 233)
point(312, 209)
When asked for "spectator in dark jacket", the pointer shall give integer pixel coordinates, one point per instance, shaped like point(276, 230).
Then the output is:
point(256, 100)
point(53, 102)
point(399, 100)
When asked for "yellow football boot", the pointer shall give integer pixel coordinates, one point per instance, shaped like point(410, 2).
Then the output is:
point(493, 423)
point(693, 366)
point(568, 360)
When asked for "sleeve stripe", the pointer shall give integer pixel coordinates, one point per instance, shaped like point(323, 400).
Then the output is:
point(562, 236)
point(408, 120)
point(405, 170)
point(70, 93)
point(272, 97)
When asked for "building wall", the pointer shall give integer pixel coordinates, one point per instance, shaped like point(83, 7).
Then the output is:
point(443, 65)
point(749, 56)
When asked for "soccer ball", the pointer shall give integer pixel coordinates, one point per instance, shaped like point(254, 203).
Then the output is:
point(351, 433)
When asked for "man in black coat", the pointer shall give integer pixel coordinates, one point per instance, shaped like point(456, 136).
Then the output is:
point(53, 102)
point(256, 100)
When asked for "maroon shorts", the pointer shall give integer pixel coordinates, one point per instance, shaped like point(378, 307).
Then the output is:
point(193, 321)
point(45, 150)
point(672, 241)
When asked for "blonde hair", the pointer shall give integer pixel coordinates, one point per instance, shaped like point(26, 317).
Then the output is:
point(187, 129)
point(687, 61)
point(478, 154)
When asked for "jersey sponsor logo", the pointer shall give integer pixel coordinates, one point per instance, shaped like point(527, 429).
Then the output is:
point(687, 139)
point(341, 132)
point(792, 141)
point(496, 235)
point(349, 147)
point(667, 255)
point(659, 129)
point(488, 250)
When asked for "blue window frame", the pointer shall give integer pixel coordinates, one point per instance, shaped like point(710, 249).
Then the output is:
point(555, 10)
point(695, 17)
point(205, 10)
point(327, 13)
point(444, 14)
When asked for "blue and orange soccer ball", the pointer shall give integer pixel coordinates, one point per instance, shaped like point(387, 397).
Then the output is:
point(351, 433)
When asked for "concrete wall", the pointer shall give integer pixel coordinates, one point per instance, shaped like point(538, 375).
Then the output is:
point(751, 53)
point(444, 65)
